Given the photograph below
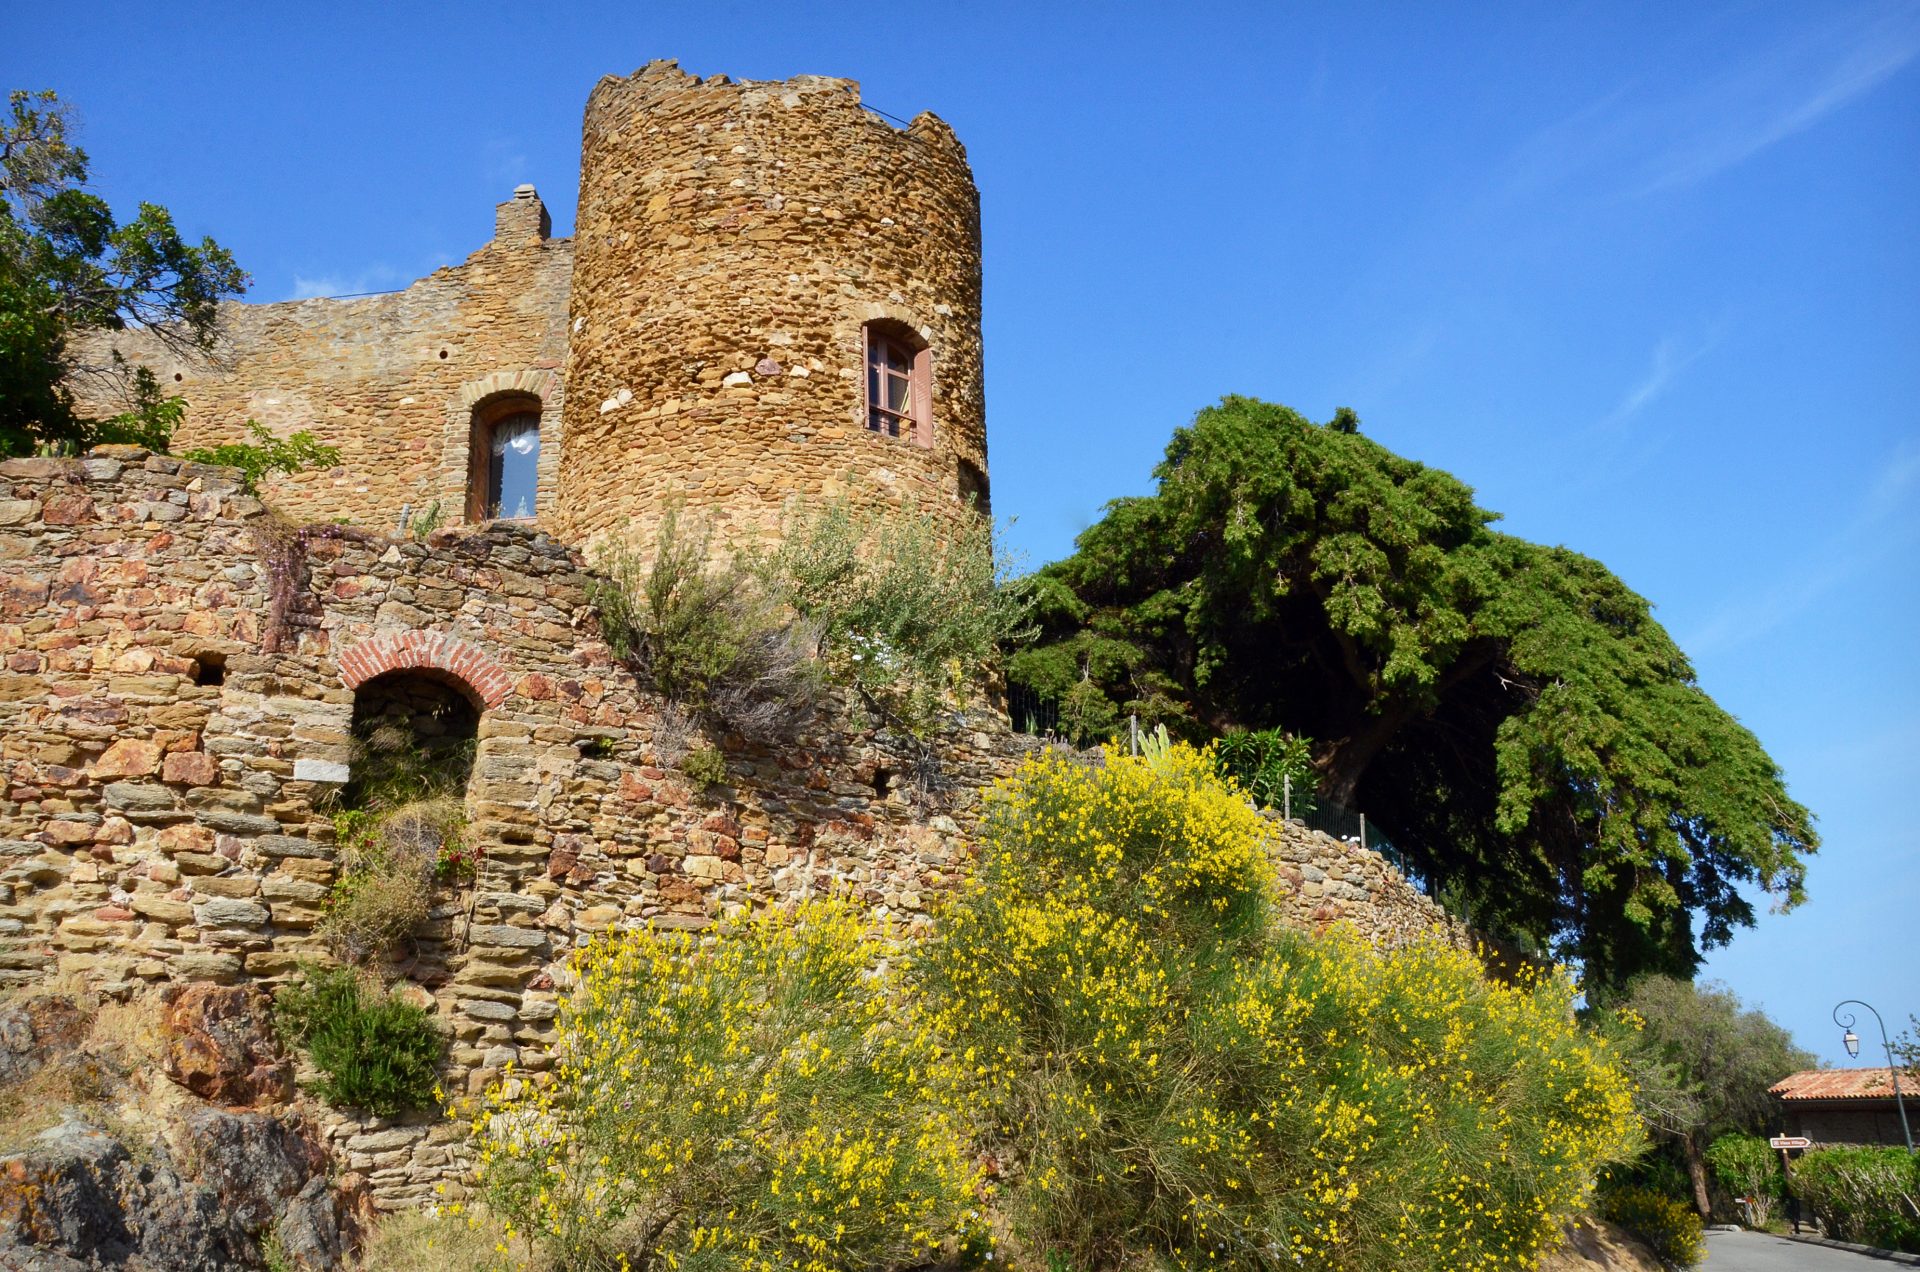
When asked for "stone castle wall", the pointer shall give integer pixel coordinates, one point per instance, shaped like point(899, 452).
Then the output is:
point(392, 380)
point(161, 818)
point(733, 240)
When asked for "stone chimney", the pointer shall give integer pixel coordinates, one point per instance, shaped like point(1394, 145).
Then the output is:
point(521, 218)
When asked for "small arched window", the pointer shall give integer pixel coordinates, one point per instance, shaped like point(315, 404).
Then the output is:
point(899, 389)
point(505, 468)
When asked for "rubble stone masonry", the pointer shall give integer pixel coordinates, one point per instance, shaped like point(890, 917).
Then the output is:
point(159, 821)
point(734, 239)
point(393, 380)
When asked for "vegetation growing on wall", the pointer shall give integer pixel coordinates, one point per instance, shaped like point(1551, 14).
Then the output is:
point(1509, 713)
point(373, 1051)
point(400, 825)
point(265, 453)
point(905, 610)
point(704, 633)
point(902, 610)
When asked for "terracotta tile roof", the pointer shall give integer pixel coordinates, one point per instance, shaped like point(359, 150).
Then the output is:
point(1845, 1084)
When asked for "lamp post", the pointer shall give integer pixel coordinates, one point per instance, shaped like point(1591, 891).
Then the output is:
point(1852, 1043)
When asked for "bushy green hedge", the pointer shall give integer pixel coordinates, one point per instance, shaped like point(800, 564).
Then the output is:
point(373, 1051)
point(1868, 1195)
point(1749, 1168)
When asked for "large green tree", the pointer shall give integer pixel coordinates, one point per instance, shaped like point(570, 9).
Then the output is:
point(1725, 1055)
point(66, 267)
point(1510, 714)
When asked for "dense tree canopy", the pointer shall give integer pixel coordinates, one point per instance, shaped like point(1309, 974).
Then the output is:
point(1509, 713)
point(1724, 1055)
point(66, 266)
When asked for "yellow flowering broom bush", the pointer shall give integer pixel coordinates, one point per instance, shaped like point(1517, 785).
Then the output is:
point(759, 1100)
point(1173, 1081)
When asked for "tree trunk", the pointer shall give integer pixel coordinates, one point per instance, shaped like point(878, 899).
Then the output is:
point(1346, 758)
point(1697, 1172)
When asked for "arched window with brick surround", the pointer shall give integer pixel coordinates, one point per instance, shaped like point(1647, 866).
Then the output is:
point(504, 451)
point(899, 381)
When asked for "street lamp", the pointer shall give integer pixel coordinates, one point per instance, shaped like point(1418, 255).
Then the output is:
point(1852, 1042)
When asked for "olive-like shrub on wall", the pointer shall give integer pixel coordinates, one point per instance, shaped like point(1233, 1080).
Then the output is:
point(761, 1099)
point(373, 1051)
point(1175, 1081)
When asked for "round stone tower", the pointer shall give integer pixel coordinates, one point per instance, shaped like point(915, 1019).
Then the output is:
point(776, 295)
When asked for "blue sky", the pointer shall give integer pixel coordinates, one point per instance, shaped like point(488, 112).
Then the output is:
point(1647, 276)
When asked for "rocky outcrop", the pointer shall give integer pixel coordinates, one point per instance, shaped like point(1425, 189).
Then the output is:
point(36, 1030)
point(220, 1044)
point(213, 1200)
point(136, 1172)
point(81, 1194)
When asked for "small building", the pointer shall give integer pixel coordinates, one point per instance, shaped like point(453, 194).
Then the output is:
point(1846, 1106)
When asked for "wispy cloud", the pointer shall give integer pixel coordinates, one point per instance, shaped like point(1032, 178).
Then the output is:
point(506, 162)
point(1877, 527)
point(1673, 355)
point(1635, 141)
point(1785, 93)
point(373, 278)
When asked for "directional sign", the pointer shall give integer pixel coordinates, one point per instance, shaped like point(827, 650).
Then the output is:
point(1790, 1141)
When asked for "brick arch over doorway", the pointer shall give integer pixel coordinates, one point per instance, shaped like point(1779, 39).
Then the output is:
point(473, 667)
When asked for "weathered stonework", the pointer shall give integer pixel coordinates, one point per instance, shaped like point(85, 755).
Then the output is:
point(180, 668)
point(160, 828)
point(733, 240)
point(392, 380)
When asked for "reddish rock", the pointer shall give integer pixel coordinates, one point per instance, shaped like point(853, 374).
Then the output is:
point(113, 914)
point(35, 1030)
point(565, 854)
point(191, 768)
point(129, 757)
point(67, 832)
point(67, 508)
point(185, 837)
point(633, 790)
point(220, 1044)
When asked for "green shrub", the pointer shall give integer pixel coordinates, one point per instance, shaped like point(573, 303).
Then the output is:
point(904, 609)
point(1670, 1227)
point(267, 454)
point(1748, 1168)
point(1184, 1083)
point(704, 766)
point(1868, 1195)
point(373, 1051)
point(1267, 763)
point(758, 1099)
point(703, 632)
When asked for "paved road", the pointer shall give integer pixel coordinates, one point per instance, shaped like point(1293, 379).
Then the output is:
point(1758, 1252)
